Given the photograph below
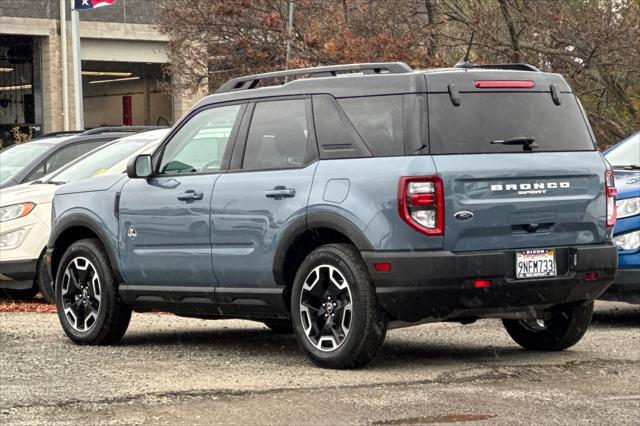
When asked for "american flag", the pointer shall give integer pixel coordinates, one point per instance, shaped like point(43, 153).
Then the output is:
point(92, 4)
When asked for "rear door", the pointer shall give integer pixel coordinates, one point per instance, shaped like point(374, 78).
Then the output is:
point(267, 189)
point(550, 196)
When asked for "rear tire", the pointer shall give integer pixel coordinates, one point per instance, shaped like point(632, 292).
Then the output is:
point(89, 308)
point(336, 316)
point(565, 328)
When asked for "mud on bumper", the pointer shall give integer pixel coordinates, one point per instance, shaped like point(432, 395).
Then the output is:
point(440, 284)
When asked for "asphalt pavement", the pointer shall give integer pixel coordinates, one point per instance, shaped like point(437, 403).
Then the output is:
point(171, 370)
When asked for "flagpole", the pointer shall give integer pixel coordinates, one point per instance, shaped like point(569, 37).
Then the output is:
point(77, 66)
point(65, 78)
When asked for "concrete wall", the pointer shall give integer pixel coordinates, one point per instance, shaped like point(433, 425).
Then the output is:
point(124, 29)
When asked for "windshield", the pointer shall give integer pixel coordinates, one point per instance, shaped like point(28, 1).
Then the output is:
point(626, 153)
point(13, 159)
point(98, 161)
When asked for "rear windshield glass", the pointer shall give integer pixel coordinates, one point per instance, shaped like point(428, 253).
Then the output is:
point(485, 117)
point(626, 153)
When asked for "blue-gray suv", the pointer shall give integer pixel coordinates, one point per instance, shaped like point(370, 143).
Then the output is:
point(346, 200)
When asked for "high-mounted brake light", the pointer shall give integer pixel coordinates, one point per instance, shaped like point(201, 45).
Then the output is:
point(610, 193)
point(504, 84)
point(421, 203)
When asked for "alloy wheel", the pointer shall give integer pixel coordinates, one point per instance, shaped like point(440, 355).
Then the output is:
point(81, 294)
point(326, 308)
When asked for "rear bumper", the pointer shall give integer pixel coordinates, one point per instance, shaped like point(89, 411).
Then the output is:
point(440, 284)
point(18, 274)
point(625, 287)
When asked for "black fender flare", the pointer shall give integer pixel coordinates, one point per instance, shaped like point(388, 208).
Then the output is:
point(302, 224)
point(82, 220)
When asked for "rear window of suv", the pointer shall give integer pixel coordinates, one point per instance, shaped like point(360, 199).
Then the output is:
point(488, 116)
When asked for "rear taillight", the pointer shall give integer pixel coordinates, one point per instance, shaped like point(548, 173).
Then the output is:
point(610, 194)
point(421, 203)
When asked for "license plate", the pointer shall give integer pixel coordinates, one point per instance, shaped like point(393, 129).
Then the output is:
point(535, 263)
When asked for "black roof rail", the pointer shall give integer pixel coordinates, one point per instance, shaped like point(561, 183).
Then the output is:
point(115, 129)
point(513, 67)
point(252, 81)
point(58, 134)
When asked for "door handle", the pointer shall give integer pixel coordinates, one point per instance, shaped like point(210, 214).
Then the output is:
point(280, 192)
point(190, 195)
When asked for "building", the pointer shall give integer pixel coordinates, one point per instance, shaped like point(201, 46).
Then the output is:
point(122, 65)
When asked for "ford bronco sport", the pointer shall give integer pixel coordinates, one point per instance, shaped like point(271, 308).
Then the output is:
point(351, 199)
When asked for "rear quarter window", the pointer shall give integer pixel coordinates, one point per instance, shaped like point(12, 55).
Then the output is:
point(487, 116)
point(379, 122)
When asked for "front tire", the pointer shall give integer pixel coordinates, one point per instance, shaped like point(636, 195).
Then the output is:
point(566, 326)
point(89, 308)
point(336, 316)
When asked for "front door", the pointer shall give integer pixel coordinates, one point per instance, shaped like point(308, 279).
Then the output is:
point(164, 219)
point(253, 204)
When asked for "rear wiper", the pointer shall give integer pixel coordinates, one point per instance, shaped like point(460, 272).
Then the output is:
point(627, 167)
point(526, 142)
point(55, 182)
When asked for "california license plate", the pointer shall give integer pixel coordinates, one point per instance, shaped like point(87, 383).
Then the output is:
point(536, 263)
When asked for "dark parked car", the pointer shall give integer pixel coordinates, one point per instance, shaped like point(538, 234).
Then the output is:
point(360, 196)
point(31, 160)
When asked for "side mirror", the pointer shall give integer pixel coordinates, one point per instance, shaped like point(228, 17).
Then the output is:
point(139, 166)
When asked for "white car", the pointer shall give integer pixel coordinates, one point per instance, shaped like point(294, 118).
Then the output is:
point(25, 213)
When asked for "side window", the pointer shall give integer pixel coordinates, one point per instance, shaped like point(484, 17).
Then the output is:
point(378, 120)
point(62, 157)
point(200, 144)
point(336, 136)
point(278, 136)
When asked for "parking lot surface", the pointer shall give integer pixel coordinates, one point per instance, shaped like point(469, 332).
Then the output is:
point(171, 370)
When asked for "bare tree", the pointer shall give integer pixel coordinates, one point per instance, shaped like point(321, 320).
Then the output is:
point(595, 43)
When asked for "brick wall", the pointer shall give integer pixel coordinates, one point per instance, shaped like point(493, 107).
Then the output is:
point(124, 11)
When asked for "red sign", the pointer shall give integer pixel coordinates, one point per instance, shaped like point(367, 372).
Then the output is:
point(127, 116)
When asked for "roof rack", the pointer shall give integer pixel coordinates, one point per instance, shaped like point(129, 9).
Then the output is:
point(59, 134)
point(252, 81)
point(514, 67)
point(116, 129)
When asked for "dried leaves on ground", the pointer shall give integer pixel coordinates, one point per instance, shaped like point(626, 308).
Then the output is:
point(33, 305)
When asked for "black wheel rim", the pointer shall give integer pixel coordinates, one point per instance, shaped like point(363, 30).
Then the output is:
point(325, 308)
point(81, 294)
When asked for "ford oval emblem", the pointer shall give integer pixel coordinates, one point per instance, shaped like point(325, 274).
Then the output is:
point(463, 215)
